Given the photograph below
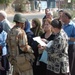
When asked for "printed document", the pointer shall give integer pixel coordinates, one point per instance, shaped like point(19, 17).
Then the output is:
point(42, 43)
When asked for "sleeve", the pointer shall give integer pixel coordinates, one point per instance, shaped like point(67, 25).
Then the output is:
point(73, 32)
point(4, 49)
point(4, 38)
point(22, 38)
point(7, 27)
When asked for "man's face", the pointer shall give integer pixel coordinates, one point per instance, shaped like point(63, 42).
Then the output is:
point(48, 15)
point(63, 18)
point(60, 15)
point(46, 11)
point(22, 25)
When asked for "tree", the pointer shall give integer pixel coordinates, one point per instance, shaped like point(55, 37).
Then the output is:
point(5, 1)
point(9, 8)
point(73, 3)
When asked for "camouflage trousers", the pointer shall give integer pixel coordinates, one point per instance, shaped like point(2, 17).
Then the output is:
point(16, 71)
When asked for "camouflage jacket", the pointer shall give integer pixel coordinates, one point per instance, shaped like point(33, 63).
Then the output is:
point(15, 37)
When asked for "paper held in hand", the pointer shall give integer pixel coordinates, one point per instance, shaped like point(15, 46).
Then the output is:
point(42, 43)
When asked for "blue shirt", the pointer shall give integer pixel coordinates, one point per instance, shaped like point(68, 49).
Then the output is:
point(6, 25)
point(70, 30)
point(3, 36)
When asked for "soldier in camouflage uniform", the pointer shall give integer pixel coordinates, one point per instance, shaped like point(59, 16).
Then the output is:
point(17, 37)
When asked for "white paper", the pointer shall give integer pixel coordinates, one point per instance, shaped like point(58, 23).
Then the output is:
point(49, 44)
point(39, 40)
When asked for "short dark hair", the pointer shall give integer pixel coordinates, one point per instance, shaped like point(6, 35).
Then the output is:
point(61, 10)
point(56, 23)
point(47, 8)
point(67, 14)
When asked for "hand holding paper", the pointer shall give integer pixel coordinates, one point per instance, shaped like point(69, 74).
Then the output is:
point(39, 40)
point(42, 43)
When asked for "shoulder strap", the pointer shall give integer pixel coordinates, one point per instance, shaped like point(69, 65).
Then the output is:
point(20, 51)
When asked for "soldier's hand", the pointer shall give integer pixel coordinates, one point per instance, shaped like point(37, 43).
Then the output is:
point(29, 49)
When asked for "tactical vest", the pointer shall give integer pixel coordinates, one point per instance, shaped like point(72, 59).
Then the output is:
point(13, 41)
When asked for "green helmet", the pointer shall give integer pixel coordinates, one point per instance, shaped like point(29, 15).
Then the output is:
point(19, 18)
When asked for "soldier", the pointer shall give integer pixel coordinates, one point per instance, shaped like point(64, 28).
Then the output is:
point(19, 48)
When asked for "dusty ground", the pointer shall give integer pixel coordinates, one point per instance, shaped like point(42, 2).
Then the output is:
point(10, 13)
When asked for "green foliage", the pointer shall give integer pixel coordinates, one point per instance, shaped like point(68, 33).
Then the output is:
point(1, 1)
point(73, 0)
point(5, 1)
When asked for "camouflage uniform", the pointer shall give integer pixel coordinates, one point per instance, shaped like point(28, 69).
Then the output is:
point(17, 36)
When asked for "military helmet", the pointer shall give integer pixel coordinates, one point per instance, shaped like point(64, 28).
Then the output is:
point(19, 18)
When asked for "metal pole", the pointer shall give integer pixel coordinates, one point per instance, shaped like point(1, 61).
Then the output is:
point(5, 5)
point(39, 5)
point(59, 5)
